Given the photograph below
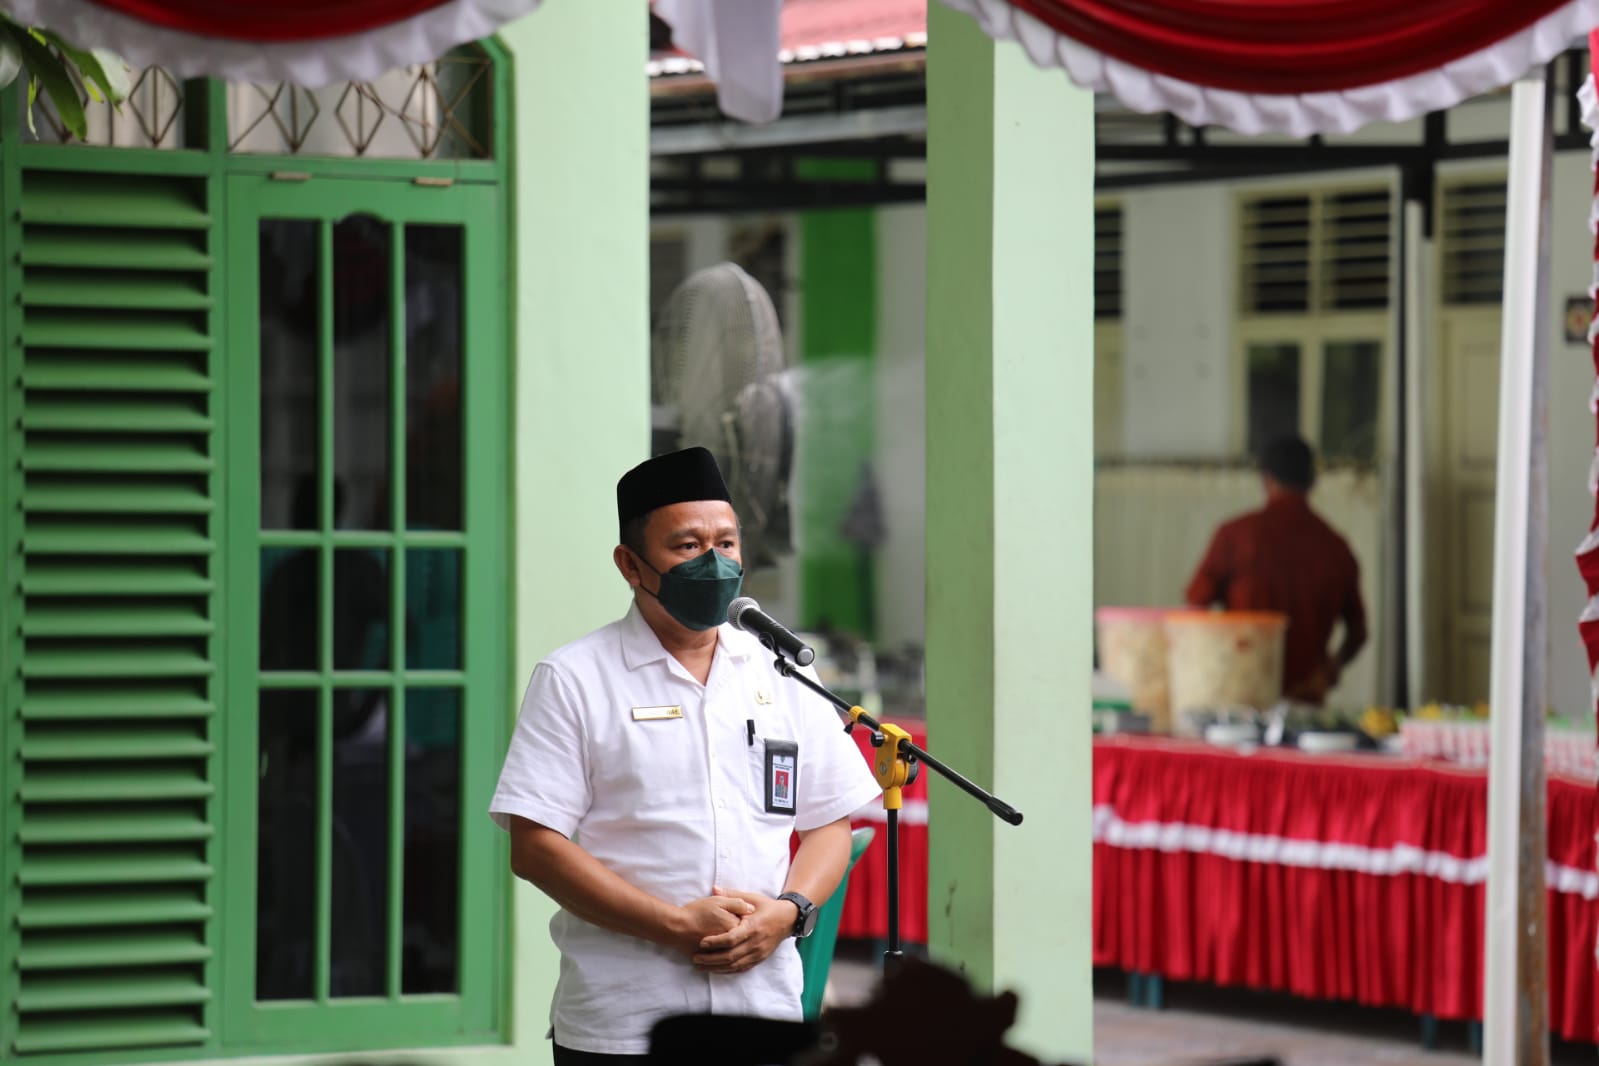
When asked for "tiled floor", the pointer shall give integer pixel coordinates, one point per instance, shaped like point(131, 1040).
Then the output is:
point(1131, 1036)
point(1201, 1026)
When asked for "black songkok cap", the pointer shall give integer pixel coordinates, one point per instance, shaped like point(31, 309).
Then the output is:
point(676, 477)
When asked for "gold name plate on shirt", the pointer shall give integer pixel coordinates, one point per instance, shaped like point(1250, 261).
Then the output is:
point(655, 714)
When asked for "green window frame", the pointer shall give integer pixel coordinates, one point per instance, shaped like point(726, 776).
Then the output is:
point(325, 1020)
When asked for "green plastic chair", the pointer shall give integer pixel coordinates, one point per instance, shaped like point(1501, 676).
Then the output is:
point(816, 950)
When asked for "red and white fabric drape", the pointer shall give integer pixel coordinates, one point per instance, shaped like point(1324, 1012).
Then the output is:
point(317, 42)
point(308, 42)
point(1288, 66)
point(1256, 66)
point(1588, 550)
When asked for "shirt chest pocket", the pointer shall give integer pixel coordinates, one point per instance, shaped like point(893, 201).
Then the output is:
point(774, 777)
point(652, 762)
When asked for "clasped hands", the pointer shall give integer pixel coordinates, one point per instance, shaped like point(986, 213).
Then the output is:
point(729, 932)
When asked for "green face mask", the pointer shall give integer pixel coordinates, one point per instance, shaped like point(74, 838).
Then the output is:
point(697, 592)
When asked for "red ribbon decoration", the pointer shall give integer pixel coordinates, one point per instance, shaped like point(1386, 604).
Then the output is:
point(1288, 46)
point(270, 20)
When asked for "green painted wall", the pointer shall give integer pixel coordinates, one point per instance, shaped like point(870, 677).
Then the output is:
point(1009, 523)
point(581, 175)
point(838, 337)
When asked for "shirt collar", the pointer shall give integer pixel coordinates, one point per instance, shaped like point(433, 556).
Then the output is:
point(640, 645)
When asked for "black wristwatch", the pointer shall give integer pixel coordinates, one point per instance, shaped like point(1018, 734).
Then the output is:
point(806, 922)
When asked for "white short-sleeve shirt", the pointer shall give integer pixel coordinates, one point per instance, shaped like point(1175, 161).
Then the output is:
point(674, 805)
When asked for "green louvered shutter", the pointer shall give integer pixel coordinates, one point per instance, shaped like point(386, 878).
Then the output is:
point(111, 799)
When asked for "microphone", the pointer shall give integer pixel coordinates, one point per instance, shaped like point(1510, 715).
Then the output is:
point(744, 613)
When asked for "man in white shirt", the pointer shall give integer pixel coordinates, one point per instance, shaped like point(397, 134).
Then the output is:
point(658, 768)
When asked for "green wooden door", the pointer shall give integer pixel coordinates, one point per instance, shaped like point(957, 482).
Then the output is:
point(368, 612)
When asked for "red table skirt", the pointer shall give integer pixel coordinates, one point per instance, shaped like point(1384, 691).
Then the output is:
point(865, 915)
point(1359, 878)
point(1330, 877)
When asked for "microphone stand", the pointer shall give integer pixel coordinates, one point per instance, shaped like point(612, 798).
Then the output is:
point(895, 766)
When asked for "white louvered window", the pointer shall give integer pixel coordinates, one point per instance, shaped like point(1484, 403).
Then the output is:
point(1354, 249)
point(1109, 272)
point(668, 268)
point(1276, 254)
point(1471, 234)
point(1315, 275)
point(1108, 262)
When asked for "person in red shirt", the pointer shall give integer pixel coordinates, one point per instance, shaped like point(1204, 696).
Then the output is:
point(1285, 558)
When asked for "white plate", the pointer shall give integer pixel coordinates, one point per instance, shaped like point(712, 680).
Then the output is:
point(1232, 733)
point(1328, 741)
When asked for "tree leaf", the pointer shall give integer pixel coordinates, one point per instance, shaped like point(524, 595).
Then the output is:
point(119, 77)
point(57, 81)
point(10, 60)
point(12, 34)
point(104, 73)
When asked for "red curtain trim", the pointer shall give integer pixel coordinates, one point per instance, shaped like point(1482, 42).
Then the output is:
point(1287, 46)
point(271, 20)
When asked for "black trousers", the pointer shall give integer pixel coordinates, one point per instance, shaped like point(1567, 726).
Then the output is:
point(567, 1057)
point(709, 1040)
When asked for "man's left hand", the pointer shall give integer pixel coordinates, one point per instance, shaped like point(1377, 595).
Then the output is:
point(755, 937)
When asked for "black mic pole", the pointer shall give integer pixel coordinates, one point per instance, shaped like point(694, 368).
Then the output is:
point(895, 767)
point(894, 954)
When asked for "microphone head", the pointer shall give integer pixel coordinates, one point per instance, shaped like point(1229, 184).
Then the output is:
point(736, 609)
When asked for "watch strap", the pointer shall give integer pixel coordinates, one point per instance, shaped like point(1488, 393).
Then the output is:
point(806, 921)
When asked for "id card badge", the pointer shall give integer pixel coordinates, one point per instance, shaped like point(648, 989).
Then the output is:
point(782, 775)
